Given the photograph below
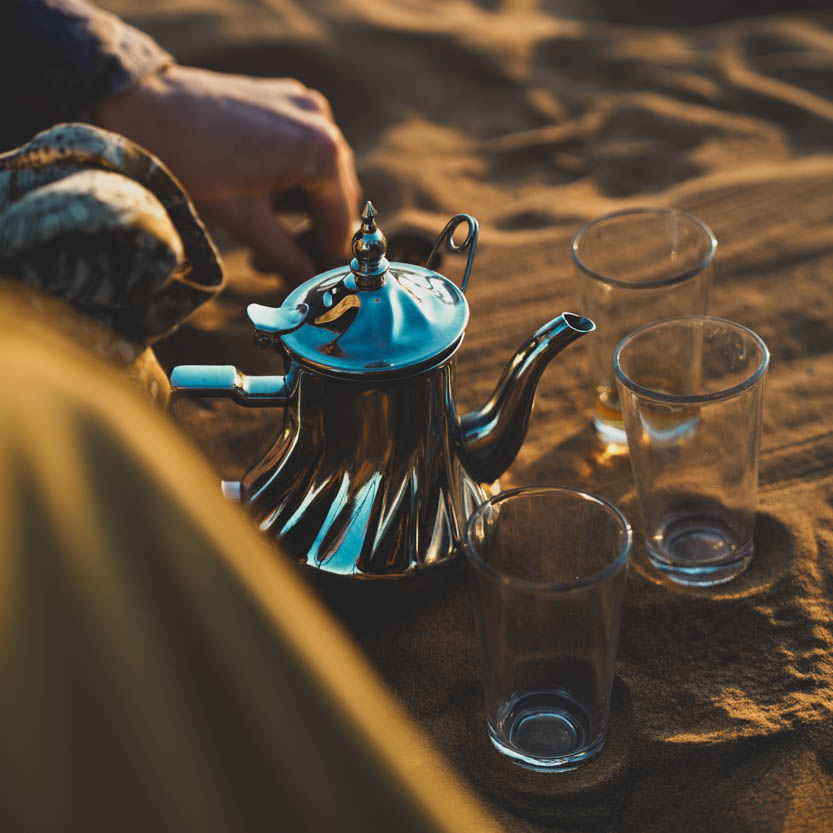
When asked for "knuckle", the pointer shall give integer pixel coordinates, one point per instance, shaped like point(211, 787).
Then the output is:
point(319, 102)
point(325, 140)
point(312, 101)
point(291, 86)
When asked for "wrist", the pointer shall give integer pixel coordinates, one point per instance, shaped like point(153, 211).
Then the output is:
point(140, 111)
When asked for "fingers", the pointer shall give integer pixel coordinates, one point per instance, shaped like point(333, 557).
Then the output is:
point(250, 220)
point(334, 193)
point(323, 168)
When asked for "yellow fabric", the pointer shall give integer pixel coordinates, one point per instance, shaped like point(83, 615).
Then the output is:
point(161, 668)
point(133, 359)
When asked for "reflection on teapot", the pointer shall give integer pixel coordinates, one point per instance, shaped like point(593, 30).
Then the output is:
point(372, 474)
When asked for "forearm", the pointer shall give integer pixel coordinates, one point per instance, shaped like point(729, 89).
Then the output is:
point(58, 58)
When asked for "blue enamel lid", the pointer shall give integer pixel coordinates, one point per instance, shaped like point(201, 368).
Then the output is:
point(370, 319)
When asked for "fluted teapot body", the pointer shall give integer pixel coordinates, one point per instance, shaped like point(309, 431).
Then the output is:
point(365, 479)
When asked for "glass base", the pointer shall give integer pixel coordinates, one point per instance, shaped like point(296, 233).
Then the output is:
point(698, 549)
point(613, 436)
point(547, 731)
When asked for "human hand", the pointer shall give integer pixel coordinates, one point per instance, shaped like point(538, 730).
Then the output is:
point(235, 142)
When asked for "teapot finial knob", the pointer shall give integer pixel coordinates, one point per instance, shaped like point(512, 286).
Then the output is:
point(368, 216)
point(369, 263)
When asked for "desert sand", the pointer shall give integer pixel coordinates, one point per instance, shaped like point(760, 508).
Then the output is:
point(534, 117)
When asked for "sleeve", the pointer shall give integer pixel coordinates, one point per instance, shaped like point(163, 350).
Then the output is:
point(59, 57)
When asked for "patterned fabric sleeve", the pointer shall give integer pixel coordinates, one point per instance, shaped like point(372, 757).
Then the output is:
point(59, 57)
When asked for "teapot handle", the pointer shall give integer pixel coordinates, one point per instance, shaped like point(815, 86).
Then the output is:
point(225, 380)
point(447, 235)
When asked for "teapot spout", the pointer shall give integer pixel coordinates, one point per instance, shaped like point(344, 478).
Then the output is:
point(493, 435)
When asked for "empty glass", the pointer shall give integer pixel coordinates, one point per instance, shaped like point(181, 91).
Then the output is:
point(692, 391)
point(636, 266)
point(548, 569)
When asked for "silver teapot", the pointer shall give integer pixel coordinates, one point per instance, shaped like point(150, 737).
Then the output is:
point(372, 474)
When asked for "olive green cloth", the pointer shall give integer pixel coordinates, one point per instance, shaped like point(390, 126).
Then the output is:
point(161, 668)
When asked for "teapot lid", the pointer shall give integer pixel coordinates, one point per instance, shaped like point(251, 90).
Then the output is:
point(373, 318)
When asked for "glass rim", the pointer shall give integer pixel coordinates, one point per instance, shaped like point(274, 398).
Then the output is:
point(695, 398)
point(703, 264)
point(477, 562)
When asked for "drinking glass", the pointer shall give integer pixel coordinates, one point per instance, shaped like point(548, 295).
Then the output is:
point(636, 266)
point(692, 392)
point(548, 567)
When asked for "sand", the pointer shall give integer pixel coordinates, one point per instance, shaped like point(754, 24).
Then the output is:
point(534, 117)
